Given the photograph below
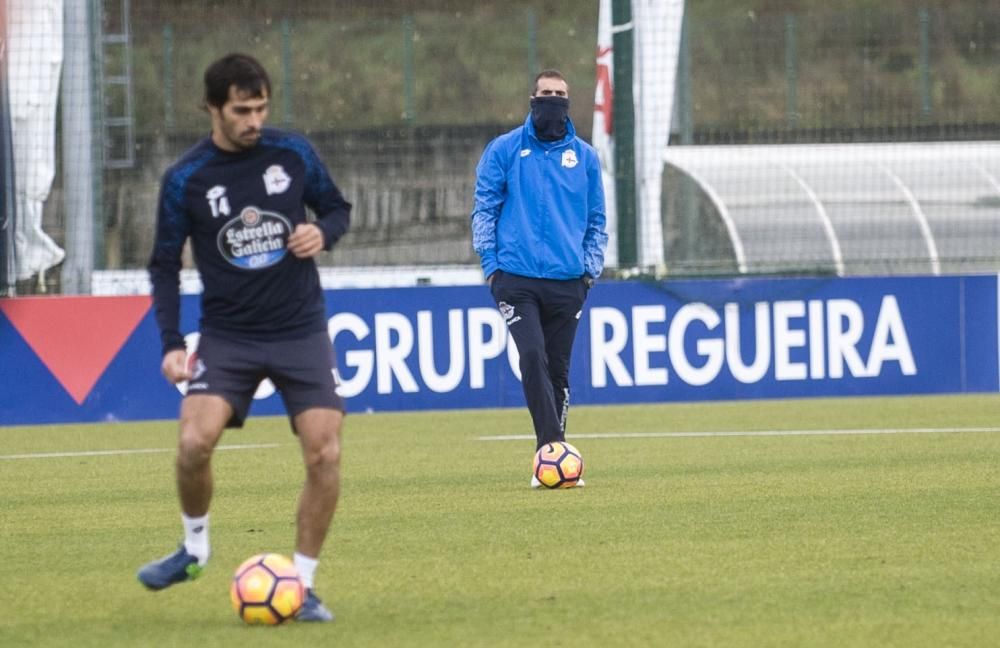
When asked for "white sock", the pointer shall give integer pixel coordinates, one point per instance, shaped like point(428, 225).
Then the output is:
point(196, 537)
point(306, 567)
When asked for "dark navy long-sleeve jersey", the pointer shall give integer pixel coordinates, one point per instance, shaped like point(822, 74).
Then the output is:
point(238, 209)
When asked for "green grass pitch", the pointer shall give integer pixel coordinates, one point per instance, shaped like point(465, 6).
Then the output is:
point(679, 539)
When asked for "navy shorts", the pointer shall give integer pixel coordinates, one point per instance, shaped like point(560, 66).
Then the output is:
point(301, 370)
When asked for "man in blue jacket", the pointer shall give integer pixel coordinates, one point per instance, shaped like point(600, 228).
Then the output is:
point(538, 226)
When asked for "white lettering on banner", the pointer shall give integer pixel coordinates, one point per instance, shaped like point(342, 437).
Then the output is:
point(786, 338)
point(817, 362)
point(393, 345)
point(756, 370)
point(390, 359)
point(482, 349)
point(890, 325)
point(646, 343)
point(780, 330)
point(707, 348)
point(360, 360)
point(792, 341)
point(456, 351)
point(605, 353)
point(844, 325)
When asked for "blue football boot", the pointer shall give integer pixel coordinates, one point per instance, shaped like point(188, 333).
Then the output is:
point(178, 567)
point(313, 609)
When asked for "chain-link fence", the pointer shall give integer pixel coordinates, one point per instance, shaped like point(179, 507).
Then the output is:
point(401, 97)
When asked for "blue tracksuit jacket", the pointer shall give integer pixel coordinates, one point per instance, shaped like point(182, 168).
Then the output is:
point(539, 208)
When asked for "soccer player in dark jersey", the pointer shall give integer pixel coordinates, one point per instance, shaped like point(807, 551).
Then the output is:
point(240, 197)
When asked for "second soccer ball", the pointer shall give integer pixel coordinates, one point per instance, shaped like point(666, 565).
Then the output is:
point(558, 465)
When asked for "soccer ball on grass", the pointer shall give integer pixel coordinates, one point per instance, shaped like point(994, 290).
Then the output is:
point(266, 589)
point(558, 465)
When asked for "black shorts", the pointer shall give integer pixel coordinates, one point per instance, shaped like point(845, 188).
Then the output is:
point(301, 370)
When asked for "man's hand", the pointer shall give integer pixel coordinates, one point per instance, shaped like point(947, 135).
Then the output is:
point(174, 366)
point(306, 241)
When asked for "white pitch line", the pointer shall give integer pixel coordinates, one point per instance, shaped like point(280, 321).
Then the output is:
point(747, 433)
point(107, 453)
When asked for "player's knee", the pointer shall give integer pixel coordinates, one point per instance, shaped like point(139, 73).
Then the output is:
point(323, 457)
point(194, 449)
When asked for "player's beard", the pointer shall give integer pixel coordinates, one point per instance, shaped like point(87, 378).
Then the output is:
point(247, 139)
point(240, 140)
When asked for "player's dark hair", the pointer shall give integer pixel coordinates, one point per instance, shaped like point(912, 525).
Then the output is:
point(548, 74)
point(240, 70)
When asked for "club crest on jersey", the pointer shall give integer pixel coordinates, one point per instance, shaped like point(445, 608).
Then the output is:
point(217, 201)
point(255, 239)
point(276, 181)
point(250, 216)
point(569, 159)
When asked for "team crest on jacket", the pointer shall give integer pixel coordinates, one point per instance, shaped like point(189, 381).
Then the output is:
point(569, 158)
point(276, 181)
point(255, 239)
point(508, 313)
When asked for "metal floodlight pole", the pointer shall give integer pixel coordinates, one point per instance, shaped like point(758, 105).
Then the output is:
point(79, 167)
